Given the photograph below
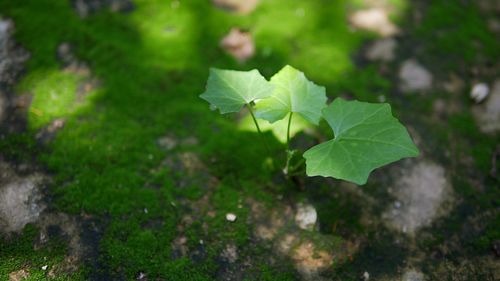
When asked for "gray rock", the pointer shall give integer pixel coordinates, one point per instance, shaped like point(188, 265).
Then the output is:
point(230, 253)
point(19, 199)
point(487, 115)
point(413, 275)
point(306, 216)
point(85, 8)
point(3, 106)
point(382, 50)
point(421, 192)
point(237, 6)
point(375, 20)
point(12, 57)
point(414, 77)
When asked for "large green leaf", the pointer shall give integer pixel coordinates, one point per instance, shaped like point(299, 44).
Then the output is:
point(293, 93)
point(230, 90)
point(367, 136)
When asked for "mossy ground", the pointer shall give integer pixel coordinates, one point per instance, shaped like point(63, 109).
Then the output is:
point(153, 63)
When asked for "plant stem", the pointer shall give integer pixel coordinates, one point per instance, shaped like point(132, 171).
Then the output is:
point(254, 119)
point(258, 128)
point(289, 153)
point(288, 132)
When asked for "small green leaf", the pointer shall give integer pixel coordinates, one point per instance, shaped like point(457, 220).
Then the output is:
point(230, 90)
point(367, 136)
point(293, 93)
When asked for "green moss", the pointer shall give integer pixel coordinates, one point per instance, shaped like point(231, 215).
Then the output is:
point(228, 199)
point(456, 32)
point(54, 95)
point(18, 253)
point(152, 65)
point(478, 145)
point(364, 84)
point(18, 146)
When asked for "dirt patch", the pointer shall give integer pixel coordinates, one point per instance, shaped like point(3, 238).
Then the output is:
point(239, 44)
point(311, 252)
point(374, 20)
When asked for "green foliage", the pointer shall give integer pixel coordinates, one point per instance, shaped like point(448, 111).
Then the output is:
point(293, 94)
point(367, 136)
point(230, 90)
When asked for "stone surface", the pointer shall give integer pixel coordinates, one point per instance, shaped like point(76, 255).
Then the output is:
point(382, 50)
point(423, 194)
point(487, 114)
point(413, 275)
point(167, 142)
point(19, 275)
point(12, 56)
point(306, 216)
point(238, 44)
point(85, 8)
point(454, 85)
point(20, 198)
point(3, 106)
point(310, 255)
point(70, 62)
point(374, 20)
point(230, 253)
point(310, 261)
point(414, 77)
point(237, 6)
point(48, 133)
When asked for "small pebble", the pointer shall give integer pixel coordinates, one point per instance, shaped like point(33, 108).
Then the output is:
point(306, 216)
point(141, 276)
point(479, 92)
point(231, 217)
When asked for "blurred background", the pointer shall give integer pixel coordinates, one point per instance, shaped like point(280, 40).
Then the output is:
point(113, 168)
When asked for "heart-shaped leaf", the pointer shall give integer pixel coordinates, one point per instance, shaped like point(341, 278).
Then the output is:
point(367, 136)
point(293, 93)
point(230, 90)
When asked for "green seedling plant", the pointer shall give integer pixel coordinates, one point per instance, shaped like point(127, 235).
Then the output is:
point(366, 135)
